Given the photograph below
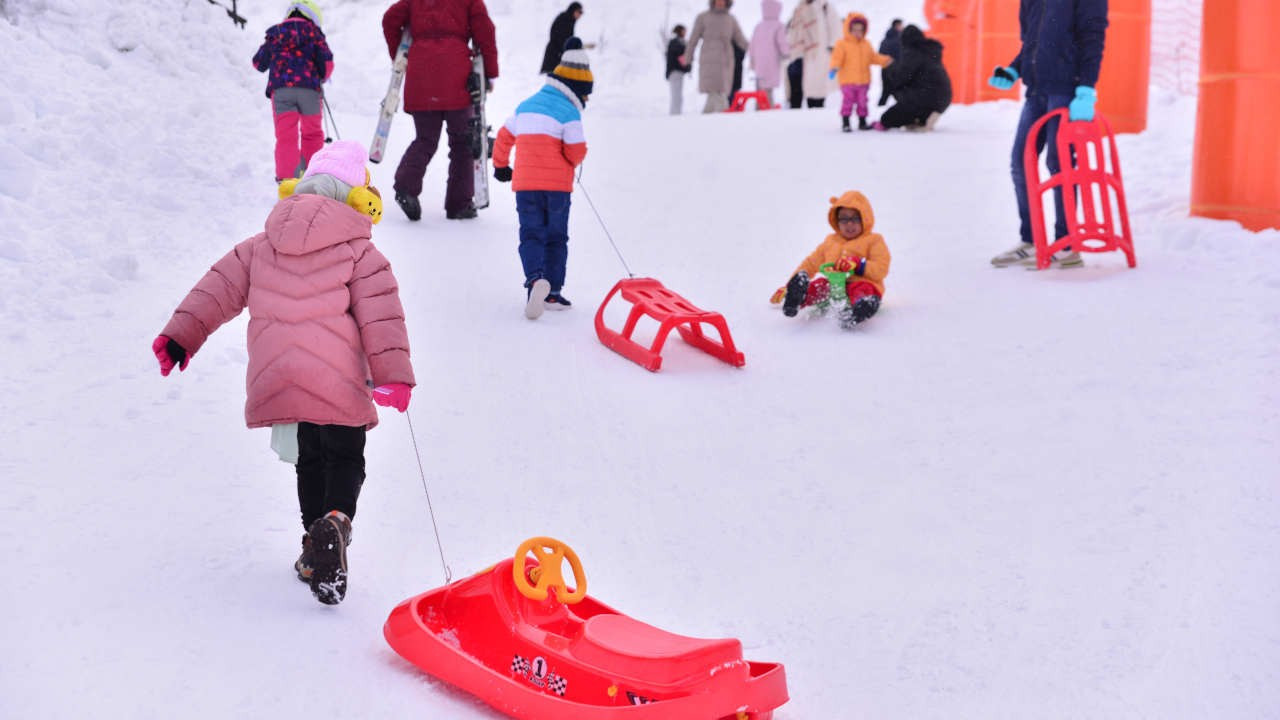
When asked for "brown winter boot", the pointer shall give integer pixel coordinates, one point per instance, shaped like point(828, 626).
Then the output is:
point(330, 536)
point(303, 564)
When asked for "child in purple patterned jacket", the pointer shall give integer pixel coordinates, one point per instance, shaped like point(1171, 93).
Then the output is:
point(296, 53)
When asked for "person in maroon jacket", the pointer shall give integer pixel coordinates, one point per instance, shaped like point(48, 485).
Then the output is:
point(435, 92)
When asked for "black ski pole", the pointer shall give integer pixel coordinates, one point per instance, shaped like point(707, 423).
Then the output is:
point(332, 124)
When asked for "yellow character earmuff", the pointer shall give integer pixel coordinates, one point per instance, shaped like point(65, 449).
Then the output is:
point(364, 199)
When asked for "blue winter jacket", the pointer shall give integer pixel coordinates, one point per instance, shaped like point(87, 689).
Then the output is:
point(1062, 43)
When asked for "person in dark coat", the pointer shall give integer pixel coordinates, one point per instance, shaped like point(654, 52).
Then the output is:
point(891, 45)
point(435, 93)
point(918, 83)
point(561, 30)
point(676, 70)
point(1061, 54)
point(739, 54)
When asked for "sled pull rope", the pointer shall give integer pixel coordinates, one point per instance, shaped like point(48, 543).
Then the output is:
point(604, 227)
point(448, 574)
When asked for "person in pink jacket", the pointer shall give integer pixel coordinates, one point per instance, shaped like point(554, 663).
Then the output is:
point(768, 47)
point(326, 340)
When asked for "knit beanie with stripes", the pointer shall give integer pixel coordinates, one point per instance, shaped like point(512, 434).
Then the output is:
point(573, 70)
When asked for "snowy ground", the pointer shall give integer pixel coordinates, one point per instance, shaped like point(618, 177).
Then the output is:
point(1010, 495)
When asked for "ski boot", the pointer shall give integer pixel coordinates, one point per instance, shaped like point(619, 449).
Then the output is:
point(330, 536)
point(797, 288)
point(409, 204)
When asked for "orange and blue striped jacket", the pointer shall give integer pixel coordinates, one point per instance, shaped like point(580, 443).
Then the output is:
point(546, 132)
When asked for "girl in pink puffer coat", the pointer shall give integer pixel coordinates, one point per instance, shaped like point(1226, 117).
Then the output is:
point(327, 339)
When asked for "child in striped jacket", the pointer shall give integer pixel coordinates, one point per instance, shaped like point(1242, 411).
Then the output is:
point(546, 133)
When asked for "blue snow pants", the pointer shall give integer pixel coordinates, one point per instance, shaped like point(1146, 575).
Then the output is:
point(1035, 107)
point(544, 235)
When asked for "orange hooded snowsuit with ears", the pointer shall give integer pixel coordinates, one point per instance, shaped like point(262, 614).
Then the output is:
point(868, 246)
point(853, 57)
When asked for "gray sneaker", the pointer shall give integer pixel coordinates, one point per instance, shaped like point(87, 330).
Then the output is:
point(1064, 259)
point(1020, 253)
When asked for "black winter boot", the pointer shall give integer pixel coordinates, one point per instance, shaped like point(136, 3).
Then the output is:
point(465, 213)
point(330, 536)
point(844, 124)
point(860, 311)
point(797, 288)
point(863, 124)
point(409, 204)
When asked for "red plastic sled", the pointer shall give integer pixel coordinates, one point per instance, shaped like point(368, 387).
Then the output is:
point(517, 637)
point(741, 97)
point(652, 298)
point(1093, 224)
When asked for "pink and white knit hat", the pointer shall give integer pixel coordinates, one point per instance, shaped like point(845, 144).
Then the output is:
point(344, 159)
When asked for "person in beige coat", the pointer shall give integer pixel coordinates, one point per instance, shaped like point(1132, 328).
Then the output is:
point(718, 32)
point(813, 31)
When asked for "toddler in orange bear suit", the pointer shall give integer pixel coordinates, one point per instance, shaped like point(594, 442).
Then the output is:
point(854, 249)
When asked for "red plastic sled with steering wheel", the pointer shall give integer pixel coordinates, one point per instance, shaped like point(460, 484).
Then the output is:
point(519, 638)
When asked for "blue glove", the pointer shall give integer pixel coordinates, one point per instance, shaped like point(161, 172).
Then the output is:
point(831, 75)
point(1081, 108)
point(1003, 78)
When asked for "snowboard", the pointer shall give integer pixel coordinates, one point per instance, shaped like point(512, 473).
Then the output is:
point(478, 132)
point(392, 100)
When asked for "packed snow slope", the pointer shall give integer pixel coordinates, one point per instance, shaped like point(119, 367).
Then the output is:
point(1009, 495)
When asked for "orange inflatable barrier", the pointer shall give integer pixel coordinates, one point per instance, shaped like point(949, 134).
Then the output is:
point(1126, 65)
point(998, 40)
point(1236, 170)
point(954, 24)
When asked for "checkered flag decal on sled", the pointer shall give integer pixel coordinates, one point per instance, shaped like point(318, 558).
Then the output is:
point(558, 685)
point(519, 665)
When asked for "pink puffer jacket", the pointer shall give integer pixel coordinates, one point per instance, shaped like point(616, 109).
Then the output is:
point(325, 320)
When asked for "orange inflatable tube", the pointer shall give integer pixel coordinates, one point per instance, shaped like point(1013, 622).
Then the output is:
point(998, 40)
point(1125, 78)
point(954, 24)
point(1236, 169)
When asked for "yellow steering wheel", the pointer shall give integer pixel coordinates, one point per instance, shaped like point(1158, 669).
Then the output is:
point(550, 554)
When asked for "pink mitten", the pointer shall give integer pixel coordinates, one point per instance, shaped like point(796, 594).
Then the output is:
point(394, 395)
point(169, 353)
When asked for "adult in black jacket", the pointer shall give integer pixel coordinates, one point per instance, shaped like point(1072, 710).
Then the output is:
point(1061, 54)
point(918, 82)
point(561, 30)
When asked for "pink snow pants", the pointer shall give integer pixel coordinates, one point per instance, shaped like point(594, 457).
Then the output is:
point(854, 94)
point(299, 132)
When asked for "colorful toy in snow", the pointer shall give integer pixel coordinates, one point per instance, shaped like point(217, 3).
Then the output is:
point(519, 638)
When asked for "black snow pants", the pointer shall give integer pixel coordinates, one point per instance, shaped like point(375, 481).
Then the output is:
point(330, 469)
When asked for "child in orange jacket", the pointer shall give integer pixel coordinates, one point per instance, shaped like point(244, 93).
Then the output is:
point(854, 249)
point(851, 62)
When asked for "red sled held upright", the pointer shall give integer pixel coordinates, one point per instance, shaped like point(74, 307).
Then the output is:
point(1092, 189)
